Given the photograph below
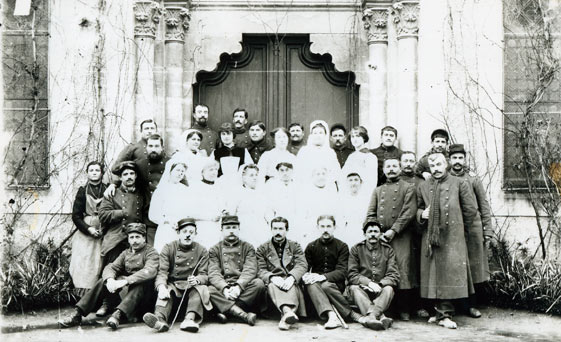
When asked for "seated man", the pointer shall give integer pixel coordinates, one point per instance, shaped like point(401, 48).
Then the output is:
point(328, 258)
point(135, 267)
point(281, 265)
point(373, 274)
point(232, 272)
point(182, 278)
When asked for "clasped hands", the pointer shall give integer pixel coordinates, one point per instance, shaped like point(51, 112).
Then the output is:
point(114, 285)
point(164, 291)
point(372, 287)
point(311, 278)
point(232, 292)
point(283, 283)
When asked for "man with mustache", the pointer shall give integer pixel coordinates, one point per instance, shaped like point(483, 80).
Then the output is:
point(134, 269)
point(182, 275)
point(232, 273)
point(200, 123)
point(239, 119)
point(137, 151)
point(446, 211)
point(439, 141)
point(281, 265)
point(407, 162)
point(328, 259)
point(296, 131)
point(259, 143)
point(386, 150)
point(338, 140)
point(373, 275)
point(394, 206)
point(481, 234)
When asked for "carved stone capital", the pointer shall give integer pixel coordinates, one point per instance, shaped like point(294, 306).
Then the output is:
point(146, 18)
point(375, 22)
point(177, 23)
point(406, 16)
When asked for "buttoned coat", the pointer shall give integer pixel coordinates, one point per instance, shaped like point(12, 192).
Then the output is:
point(446, 274)
point(330, 259)
point(394, 206)
point(373, 262)
point(231, 264)
point(383, 153)
point(210, 138)
point(134, 266)
point(115, 213)
point(482, 226)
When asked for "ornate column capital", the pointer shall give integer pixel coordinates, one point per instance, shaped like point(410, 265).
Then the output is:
point(177, 23)
point(406, 16)
point(146, 18)
point(375, 21)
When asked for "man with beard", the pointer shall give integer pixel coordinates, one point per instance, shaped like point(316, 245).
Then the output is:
point(446, 211)
point(439, 140)
point(386, 150)
point(338, 139)
point(480, 234)
point(232, 273)
point(373, 274)
point(134, 269)
point(210, 137)
point(296, 131)
point(239, 118)
point(259, 142)
point(182, 278)
point(281, 265)
point(328, 259)
point(394, 206)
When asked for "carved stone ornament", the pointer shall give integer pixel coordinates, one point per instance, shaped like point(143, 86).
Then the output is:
point(177, 23)
point(375, 22)
point(146, 18)
point(406, 16)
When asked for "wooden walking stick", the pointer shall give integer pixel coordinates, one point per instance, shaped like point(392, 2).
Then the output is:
point(184, 293)
point(343, 323)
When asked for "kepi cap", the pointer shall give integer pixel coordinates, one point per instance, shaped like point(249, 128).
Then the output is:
point(118, 170)
point(188, 221)
point(457, 148)
point(230, 219)
point(135, 227)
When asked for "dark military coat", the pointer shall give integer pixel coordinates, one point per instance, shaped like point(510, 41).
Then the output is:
point(374, 263)
point(232, 264)
point(134, 266)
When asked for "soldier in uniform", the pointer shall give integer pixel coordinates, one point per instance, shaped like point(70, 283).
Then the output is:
point(386, 150)
point(281, 265)
point(137, 151)
point(181, 281)
point(134, 269)
point(296, 131)
point(210, 138)
point(338, 139)
point(439, 141)
point(232, 271)
point(394, 206)
point(259, 143)
point(407, 162)
point(239, 119)
point(373, 274)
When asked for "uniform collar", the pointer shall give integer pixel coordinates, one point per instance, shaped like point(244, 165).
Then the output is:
point(227, 244)
point(372, 246)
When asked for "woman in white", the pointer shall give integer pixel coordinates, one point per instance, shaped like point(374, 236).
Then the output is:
point(355, 199)
point(270, 159)
point(192, 155)
point(170, 203)
point(317, 153)
point(362, 160)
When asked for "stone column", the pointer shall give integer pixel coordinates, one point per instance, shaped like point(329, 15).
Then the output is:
point(147, 16)
point(406, 17)
point(177, 23)
point(375, 22)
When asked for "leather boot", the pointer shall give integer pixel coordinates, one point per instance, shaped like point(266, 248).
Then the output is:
point(249, 318)
point(74, 319)
point(113, 321)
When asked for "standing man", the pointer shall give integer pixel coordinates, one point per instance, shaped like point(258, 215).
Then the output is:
point(210, 137)
point(134, 269)
point(182, 277)
point(338, 139)
point(328, 259)
point(439, 140)
point(281, 265)
point(407, 162)
point(239, 118)
point(296, 131)
point(134, 152)
point(373, 275)
point(480, 234)
point(259, 142)
point(232, 273)
point(394, 206)
point(386, 150)
point(446, 211)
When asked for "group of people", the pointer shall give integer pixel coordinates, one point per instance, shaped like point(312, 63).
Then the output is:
point(218, 227)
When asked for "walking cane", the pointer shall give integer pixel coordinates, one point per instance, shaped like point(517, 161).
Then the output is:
point(343, 323)
point(184, 293)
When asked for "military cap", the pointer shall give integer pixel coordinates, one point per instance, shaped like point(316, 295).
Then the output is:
point(118, 170)
point(230, 219)
point(439, 132)
point(457, 148)
point(188, 221)
point(370, 222)
point(136, 227)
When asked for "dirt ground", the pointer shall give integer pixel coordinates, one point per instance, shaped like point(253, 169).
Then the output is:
point(495, 325)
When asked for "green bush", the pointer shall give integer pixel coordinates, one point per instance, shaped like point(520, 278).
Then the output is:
point(39, 281)
point(520, 281)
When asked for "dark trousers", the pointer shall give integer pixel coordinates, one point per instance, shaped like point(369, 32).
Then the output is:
point(150, 234)
point(134, 299)
point(253, 292)
point(405, 300)
point(444, 309)
point(326, 294)
point(191, 303)
point(370, 303)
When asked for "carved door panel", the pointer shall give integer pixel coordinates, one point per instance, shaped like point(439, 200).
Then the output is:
point(279, 81)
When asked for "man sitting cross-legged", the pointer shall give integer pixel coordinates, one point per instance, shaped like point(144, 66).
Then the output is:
point(232, 273)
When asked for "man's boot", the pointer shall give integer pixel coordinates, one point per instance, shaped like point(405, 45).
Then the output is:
point(104, 309)
point(113, 321)
point(386, 321)
point(74, 319)
point(358, 318)
point(373, 323)
point(153, 322)
point(249, 318)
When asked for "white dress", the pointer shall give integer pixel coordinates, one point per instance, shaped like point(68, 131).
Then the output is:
point(194, 161)
point(366, 165)
point(354, 210)
point(270, 159)
point(250, 206)
point(310, 158)
point(207, 204)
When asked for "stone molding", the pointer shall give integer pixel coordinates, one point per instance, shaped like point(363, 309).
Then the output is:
point(375, 21)
point(146, 18)
point(406, 16)
point(177, 21)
